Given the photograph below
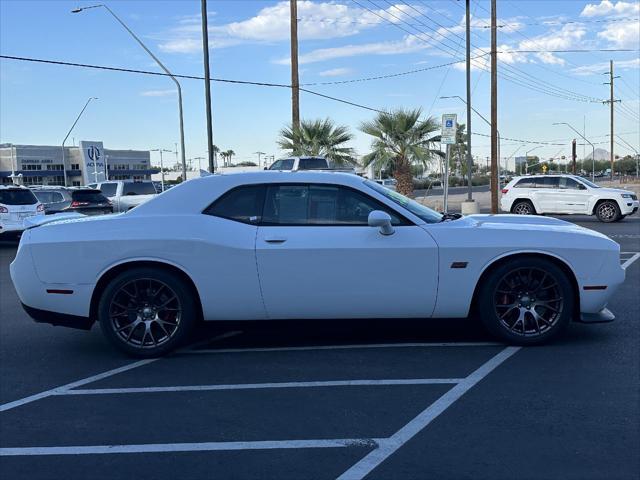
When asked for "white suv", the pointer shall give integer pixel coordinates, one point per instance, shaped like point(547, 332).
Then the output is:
point(16, 204)
point(564, 194)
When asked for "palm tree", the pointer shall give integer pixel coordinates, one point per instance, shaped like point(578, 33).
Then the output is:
point(400, 140)
point(319, 138)
point(228, 154)
point(215, 150)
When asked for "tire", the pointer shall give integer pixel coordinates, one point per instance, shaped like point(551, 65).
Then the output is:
point(608, 211)
point(526, 301)
point(620, 218)
point(146, 312)
point(523, 207)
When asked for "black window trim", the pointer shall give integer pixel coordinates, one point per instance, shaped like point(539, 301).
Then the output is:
point(406, 222)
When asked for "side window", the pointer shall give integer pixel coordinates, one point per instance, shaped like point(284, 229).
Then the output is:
point(108, 189)
point(243, 204)
point(525, 183)
point(312, 164)
point(284, 164)
point(547, 182)
point(568, 183)
point(320, 205)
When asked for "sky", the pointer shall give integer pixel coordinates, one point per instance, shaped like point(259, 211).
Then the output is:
point(340, 41)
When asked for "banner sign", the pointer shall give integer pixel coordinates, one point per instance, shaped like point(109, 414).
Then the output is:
point(93, 162)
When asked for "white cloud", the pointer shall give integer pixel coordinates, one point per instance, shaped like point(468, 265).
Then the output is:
point(157, 93)
point(606, 7)
point(336, 72)
point(317, 21)
point(408, 44)
point(569, 36)
point(622, 35)
point(600, 68)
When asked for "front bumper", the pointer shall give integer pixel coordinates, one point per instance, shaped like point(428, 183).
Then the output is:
point(58, 319)
point(603, 316)
point(629, 207)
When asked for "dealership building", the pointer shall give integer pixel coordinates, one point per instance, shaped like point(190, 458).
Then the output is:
point(87, 163)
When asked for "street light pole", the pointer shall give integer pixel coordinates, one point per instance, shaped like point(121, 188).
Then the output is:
point(259, 153)
point(166, 70)
point(161, 164)
point(526, 160)
point(64, 165)
point(593, 149)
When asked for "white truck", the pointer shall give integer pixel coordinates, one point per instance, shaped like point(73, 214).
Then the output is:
point(126, 194)
point(305, 163)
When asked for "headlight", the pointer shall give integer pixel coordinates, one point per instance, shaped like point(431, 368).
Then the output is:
point(626, 195)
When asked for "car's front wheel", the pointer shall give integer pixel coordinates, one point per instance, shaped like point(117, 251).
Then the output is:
point(526, 301)
point(608, 211)
point(146, 312)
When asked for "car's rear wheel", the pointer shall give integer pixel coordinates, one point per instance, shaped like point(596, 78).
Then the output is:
point(608, 211)
point(146, 312)
point(526, 301)
point(523, 207)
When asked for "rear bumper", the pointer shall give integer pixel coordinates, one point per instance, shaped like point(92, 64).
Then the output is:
point(58, 319)
point(603, 316)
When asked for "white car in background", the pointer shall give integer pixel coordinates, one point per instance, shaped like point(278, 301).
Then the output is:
point(390, 183)
point(17, 204)
point(566, 194)
point(126, 194)
point(308, 245)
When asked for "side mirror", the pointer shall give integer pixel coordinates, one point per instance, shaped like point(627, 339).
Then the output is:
point(381, 220)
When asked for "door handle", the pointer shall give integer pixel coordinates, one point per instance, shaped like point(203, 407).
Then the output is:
point(275, 240)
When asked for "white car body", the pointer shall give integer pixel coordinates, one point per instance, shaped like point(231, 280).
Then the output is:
point(14, 214)
point(121, 193)
point(582, 200)
point(253, 272)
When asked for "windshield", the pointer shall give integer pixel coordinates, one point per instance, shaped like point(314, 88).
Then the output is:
point(17, 196)
point(425, 213)
point(588, 183)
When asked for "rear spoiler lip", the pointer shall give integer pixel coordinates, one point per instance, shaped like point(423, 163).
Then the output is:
point(38, 221)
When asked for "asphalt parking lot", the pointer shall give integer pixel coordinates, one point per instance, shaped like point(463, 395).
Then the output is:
point(367, 399)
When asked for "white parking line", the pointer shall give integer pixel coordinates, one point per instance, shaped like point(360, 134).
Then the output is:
point(188, 447)
point(94, 378)
point(628, 262)
point(390, 445)
point(259, 386)
point(344, 347)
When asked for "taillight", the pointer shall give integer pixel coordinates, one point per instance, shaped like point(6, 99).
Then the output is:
point(76, 203)
point(4, 210)
point(504, 191)
point(40, 208)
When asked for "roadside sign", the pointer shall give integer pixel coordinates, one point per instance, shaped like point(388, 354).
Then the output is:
point(449, 127)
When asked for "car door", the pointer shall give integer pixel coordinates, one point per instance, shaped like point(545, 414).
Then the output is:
point(546, 194)
point(318, 258)
point(571, 197)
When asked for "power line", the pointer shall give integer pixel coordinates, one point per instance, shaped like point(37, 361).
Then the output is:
point(190, 77)
point(525, 81)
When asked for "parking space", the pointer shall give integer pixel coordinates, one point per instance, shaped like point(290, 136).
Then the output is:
point(364, 399)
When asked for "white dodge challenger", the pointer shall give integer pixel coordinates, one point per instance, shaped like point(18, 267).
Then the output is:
point(308, 245)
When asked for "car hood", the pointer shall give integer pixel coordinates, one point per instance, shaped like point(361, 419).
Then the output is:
point(617, 191)
point(522, 223)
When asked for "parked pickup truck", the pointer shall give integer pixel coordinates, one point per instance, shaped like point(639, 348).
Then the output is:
point(306, 163)
point(126, 194)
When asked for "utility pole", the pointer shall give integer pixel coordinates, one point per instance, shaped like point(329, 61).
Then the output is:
point(472, 208)
point(295, 83)
point(494, 111)
point(611, 103)
point(259, 153)
point(207, 85)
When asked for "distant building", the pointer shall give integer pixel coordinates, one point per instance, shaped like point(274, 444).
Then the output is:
point(87, 163)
